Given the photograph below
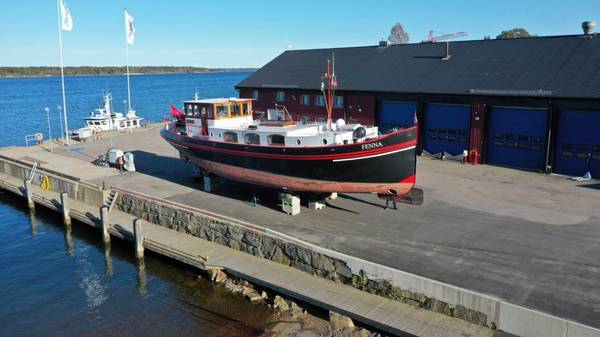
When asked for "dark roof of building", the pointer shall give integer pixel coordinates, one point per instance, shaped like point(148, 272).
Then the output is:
point(557, 66)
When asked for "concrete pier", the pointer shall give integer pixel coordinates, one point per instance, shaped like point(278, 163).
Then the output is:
point(64, 204)
point(488, 245)
point(138, 236)
point(104, 222)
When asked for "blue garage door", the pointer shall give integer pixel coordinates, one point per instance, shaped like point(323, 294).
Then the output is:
point(395, 115)
point(517, 137)
point(447, 128)
point(578, 143)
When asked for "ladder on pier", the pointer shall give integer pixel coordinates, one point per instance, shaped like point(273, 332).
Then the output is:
point(111, 199)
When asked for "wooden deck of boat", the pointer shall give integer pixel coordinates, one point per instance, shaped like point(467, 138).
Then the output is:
point(387, 315)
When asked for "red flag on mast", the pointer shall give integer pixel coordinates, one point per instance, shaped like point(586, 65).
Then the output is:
point(176, 113)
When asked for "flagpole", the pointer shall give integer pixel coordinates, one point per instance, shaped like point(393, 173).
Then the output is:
point(62, 75)
point(127, 67)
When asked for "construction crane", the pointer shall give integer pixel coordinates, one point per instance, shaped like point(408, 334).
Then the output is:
point(433, 39)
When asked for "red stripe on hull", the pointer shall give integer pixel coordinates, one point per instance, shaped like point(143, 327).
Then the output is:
point(300, 184)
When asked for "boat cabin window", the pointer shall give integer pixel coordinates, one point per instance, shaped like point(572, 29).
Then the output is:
point(252, 138)
point(222, 111)
point(188, 110)
point(276, 140)
point(230, 137)
point(103, 122)
point(135, 122)
point(246, 109)
point(235, 110)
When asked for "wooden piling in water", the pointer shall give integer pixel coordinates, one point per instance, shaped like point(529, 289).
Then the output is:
point(139, 238)
point(66, 211)
point(29, 194)
point(104, 220)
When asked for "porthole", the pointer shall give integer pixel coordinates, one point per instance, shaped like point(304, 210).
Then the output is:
point(324, 141)
point(211, 134)
point(220, 135)
point(298, 141)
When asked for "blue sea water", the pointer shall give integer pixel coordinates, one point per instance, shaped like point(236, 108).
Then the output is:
point(22, 100)
point(55, 282)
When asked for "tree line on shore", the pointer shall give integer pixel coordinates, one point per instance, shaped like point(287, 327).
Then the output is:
point(88, 70)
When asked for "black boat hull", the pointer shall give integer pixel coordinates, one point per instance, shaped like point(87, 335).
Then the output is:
point(383, 165)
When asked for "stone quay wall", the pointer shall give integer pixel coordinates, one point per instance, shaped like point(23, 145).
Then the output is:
point(254, 240)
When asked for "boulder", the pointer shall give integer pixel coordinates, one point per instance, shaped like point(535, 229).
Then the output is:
point(295, 309)
point(338, 321)
point(280, 303)
point(216, 275)
point(232, 287)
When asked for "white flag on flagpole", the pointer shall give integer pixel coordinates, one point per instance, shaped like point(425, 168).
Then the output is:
point(129, 28)
point(66, 21)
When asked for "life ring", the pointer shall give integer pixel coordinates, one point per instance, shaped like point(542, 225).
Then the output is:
point(122, 124)
point(39, 136)
point(98, 130)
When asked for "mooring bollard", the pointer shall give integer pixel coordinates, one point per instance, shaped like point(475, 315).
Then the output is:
point(104, 219)
point(139, 238)
point(66, 211)
point(29, 194)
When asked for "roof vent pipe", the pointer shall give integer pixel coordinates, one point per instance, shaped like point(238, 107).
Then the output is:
point(588, 27)
point(447, 54)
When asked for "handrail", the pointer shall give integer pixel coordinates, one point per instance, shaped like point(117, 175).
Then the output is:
point(285, 110)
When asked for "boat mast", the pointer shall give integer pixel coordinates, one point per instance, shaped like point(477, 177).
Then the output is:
point(329, 94)
point(331, 86)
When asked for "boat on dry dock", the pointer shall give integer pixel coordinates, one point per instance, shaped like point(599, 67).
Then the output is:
point(221, 136)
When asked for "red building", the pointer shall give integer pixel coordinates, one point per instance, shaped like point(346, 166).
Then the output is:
point(531, 103)
point(308, 105)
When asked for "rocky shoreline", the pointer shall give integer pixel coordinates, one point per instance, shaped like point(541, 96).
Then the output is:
point(289, 319)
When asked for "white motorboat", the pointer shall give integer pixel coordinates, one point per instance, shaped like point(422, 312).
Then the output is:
point(105, 119)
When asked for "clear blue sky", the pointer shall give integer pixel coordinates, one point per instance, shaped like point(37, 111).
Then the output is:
point(231, 33)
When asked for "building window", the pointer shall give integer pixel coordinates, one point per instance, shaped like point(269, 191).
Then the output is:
point(278, 140)
point(230, 137)
point(252, 138)
point(254, 94)
point(280, 96)
point(305, 100)
point(319, 100)
point(338, 102)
